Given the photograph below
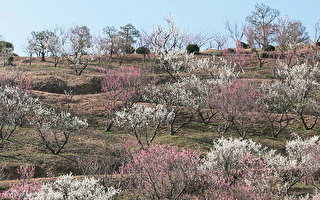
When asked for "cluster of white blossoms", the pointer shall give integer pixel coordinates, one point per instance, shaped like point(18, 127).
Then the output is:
point(54, 128)
point(226, 154)
point(48, 118)
point(296, 86)
point(139, 119)
point(141, 116)
point(282, 171)
point(68, 188)
point(15, 104)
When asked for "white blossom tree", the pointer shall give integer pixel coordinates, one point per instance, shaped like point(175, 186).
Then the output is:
point(80, 51)
point(295, 91)
point(54, 129)
point(15, 104)
point(68, 187)
point(57, 44)
point(176, 98)
point(143, 122)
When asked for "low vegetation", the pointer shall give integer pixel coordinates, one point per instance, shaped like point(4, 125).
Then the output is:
point(238, 123)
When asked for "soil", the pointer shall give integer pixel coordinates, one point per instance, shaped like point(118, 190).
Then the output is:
point(49, 84)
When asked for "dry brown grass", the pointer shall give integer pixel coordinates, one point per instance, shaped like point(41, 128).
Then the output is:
point(24, 147)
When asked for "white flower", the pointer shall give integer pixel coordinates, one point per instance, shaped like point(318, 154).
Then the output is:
point(69, 188)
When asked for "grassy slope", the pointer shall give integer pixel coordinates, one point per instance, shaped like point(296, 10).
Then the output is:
point(24, 147)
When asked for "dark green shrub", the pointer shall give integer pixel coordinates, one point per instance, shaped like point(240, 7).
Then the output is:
point(269, 48)
point(192, 48)
point(4, 44)
point(244, 45)
point(10, 60)
point(230, 50)
point(263, 55)
point(143, 50)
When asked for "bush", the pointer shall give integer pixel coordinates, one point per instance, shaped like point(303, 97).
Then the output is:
point(67, 187)
point(263, 55)
point(269, 48)
point(162, 172)
point(10, 60)
point(230, 50)
point(143, 50)
point(192, 48)
point(244, 45)
point(218, 53)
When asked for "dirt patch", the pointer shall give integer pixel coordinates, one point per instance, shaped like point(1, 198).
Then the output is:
point(88, 85)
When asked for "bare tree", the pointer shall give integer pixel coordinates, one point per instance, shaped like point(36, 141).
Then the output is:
point(316, 27)
point(111, 35)
point(38, 41)
point(288, 36)
point(56, 44)
point(262, 21)
point(29, 49)
point(167, 39)
point(235, 31)
point(80, 51)
point(200, 39)
point(220, 40)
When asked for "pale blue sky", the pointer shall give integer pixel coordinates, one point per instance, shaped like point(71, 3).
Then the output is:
point(18, 18)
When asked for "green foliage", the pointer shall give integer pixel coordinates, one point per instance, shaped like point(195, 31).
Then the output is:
point(10, 60)
point(129, 33)
point(230, 50)
point(269, 76)
point(143, 50)
point(6, 46)
point(192, 48)
point(263, 55)
point(218, 53)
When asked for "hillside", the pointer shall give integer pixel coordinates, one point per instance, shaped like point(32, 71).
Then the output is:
point(48, 83)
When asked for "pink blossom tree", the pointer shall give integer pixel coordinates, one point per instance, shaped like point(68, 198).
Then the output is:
point(237, 102)
point(289, 35)
point(162, 172)
point(21, 191)
point(122, 88)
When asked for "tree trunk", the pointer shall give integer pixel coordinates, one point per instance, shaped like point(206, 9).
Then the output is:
point(43, 57)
